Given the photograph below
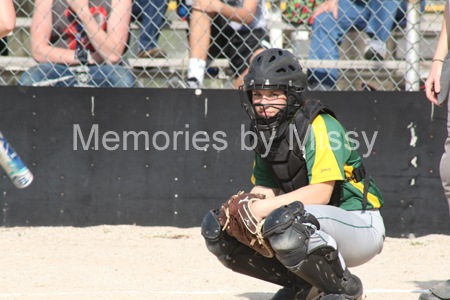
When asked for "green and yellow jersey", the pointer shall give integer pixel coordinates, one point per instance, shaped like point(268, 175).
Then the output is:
point(330, 155)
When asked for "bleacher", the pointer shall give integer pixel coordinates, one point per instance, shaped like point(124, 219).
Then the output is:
point(386, 75)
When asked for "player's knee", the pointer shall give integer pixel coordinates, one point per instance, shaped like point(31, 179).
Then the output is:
point(288, 229)
point(214, 236)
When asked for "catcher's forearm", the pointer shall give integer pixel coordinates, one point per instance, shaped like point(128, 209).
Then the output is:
point(319, 193)
point(269, 192)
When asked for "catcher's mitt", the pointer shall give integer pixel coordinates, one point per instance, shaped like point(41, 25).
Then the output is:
point(238, 220)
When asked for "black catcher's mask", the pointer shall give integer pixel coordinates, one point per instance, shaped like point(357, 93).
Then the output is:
point(273, 69)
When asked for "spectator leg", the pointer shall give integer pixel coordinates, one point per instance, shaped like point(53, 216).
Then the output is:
point(199, 42)
point(324, 46)
point(240, 80)
point(151, 14)
point(111, 76)
point(46, 71)
point(382, 18)
point(327, 36)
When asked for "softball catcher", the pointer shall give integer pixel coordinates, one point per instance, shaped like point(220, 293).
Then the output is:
point(314, 210)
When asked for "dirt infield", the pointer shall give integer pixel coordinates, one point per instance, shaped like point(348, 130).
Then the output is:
point(133, 262)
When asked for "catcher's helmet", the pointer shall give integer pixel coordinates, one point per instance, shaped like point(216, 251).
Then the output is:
point(274, 69)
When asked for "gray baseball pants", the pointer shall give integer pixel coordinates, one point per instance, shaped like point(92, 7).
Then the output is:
point(358, 235)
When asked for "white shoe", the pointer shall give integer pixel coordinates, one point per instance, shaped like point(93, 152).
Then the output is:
point(375, 49)
point(193, 83)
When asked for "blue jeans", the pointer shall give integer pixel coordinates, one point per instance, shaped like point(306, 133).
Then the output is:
point(375, 16)
point(99, 76)
point(151, 14)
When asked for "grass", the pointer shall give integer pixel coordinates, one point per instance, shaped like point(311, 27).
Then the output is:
point(416, 243)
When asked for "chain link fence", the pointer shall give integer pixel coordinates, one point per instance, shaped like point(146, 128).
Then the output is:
point(165, 57)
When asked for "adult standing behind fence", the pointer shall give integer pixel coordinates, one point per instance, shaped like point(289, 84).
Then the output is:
point(334, 18)
point(433, 88)
point(238, 30)
point(60, 27)
point(7, 17)
point(151, 14)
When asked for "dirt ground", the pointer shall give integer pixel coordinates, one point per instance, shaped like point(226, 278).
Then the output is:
point(133, 262)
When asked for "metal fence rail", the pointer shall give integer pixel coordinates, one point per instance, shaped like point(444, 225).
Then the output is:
point(406, 65)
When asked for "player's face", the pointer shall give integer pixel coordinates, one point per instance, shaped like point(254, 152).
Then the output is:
point(268, 102)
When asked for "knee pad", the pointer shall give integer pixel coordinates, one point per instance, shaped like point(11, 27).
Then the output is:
point(215, 238)
point(241, 258)
point(289, 229)
point(322, 268)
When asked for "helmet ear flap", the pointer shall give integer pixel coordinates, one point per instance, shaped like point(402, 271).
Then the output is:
point(291, 98)
point(294, 99)
point(250, 96)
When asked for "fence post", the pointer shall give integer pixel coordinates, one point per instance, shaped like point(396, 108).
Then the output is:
point(412, 78)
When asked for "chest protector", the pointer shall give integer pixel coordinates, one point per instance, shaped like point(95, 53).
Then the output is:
point(285, 159)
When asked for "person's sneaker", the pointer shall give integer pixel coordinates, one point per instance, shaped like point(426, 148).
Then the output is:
point(193, 83)
point(291, 293)
point(375, 49)
point(366, 87)
point(353, 290)
point(438, 292)
point(301, 290)
point(176, 82)
point(152, 53)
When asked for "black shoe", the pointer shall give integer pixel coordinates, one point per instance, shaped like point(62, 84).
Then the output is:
point(353, 289)
point(428, 296)
point(286, 293)
point(439, 292)
point(299, 291)
point(290, 293)
point(333, 297)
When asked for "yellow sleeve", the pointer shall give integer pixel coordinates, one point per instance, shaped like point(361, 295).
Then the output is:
point(321, 159)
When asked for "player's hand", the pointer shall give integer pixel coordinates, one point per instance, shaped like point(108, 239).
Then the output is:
point(327, 6)
point(433, 85)
point(208, 6)
point(257, 211)
point(79, 6)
